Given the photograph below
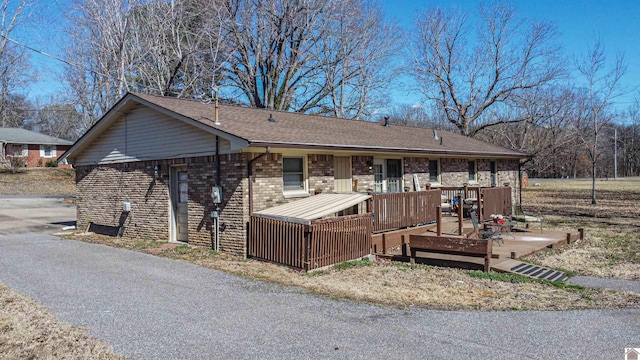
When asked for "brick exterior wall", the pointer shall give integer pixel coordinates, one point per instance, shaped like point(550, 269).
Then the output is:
point(362, 173)
point(419, 166)
point(33, 158)
point(454, 172)
point(101, 190)
point(320, 170)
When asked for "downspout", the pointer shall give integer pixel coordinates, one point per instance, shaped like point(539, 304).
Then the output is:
point(250, 177)
point(520, 182)
point(218, 161)
point(216, 220)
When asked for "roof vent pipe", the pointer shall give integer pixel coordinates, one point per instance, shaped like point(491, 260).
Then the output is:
point(386, 121)
point(435, 134)
point(441, 141)
point(217, 119)
point(271, 119)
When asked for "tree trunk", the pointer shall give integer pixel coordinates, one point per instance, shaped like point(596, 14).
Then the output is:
point(593, 183)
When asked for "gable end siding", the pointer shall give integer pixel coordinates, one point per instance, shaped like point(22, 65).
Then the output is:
point(144, 134)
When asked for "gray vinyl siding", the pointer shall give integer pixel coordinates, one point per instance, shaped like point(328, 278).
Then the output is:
point(144, 134)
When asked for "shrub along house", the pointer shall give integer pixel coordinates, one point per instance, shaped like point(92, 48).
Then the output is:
point(150, 165)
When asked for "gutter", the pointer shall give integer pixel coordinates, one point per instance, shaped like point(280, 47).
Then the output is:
point(250, 177)
point(385, 149)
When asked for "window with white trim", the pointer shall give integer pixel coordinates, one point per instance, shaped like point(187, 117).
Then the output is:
point(47, 151)
point(293, 174)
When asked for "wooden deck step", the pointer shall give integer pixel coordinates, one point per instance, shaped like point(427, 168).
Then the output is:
point(530, 270)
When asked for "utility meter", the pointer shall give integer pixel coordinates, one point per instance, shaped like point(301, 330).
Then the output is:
point(216, 194)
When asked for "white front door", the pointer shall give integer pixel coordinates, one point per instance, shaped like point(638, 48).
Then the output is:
point(180, 203)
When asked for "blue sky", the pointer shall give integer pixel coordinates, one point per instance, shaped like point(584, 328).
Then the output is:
point(580, 22)
point(616, 23)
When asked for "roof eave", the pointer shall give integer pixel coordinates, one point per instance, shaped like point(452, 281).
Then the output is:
point(380, 149)
point(106, 119)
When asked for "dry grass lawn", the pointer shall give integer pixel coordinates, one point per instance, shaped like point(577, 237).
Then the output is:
point(30, 331)
point(399, 284)
point(38, 181)
point(611, 249)
point(612, 245)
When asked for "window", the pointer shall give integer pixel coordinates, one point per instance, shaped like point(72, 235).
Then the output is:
point(494, 173)
point(25, 150)
point(378, 178)
point(47, 151)
point(473, 174)
point(293, 174)
point(434, 171)
point(394, 175)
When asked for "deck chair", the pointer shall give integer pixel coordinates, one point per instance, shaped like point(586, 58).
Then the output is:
point(519, 216)
point(484, 234)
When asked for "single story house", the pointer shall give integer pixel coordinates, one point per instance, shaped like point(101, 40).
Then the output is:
point(33, 149)
point(153, 166)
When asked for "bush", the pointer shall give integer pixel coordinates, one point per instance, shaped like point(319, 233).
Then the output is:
point(17, 163)
point(51, 163)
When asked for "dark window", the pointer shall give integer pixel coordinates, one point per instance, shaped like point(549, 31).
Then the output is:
point(494, 173)
point(293, 173)
point(394, 175)
point(433, 171)
point(472, 170)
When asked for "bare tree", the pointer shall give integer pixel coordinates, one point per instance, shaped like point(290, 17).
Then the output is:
point(603, 85)
point(59, 120)
point(361, 43)
point(15, 111)
point(316, 56)
point(466, 73)
point(157, 47)
point(14, 63)
point(98, 36)
point(177, 47)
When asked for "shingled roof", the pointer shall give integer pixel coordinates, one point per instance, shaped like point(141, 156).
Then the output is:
point(23, 136)
point(295, 130)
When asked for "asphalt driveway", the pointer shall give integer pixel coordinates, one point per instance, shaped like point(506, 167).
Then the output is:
point(43, 214)
point(154, 308)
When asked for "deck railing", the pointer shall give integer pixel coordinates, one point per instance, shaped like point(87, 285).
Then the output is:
point(466, 192)
point(324, 242)
point(398, 210)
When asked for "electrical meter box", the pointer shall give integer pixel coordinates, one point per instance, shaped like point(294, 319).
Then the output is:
point(216, 194)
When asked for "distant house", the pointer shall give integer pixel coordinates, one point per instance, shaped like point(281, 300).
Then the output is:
point(33, 149)
point(150, 165)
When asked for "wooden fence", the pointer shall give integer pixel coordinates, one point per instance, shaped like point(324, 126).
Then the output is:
point(451, 192)
point(324, 242)
point(496, 200)
point(397, 210)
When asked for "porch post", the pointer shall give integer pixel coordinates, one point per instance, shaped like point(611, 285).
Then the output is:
point(460, 212)
point(479, 204)
point(439, 220)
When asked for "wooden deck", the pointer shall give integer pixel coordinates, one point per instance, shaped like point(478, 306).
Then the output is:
point(514, 245)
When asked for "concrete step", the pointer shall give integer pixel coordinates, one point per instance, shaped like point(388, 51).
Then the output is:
point(530, 270)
